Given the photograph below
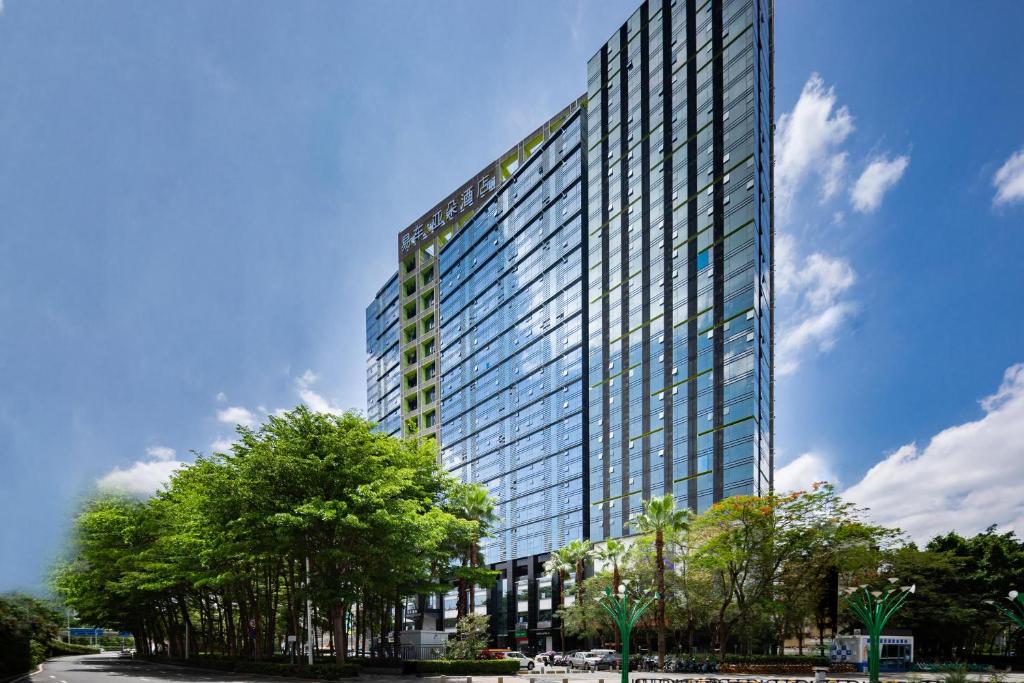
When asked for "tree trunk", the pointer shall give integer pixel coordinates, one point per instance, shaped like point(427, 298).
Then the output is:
point(659, 559)
point(398, 623)
point(338, 623)
point(561, 606)
point(472, 587)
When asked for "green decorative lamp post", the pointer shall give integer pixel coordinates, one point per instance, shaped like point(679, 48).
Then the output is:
point(1015, 613)
point(874, 608)
point(625, 613)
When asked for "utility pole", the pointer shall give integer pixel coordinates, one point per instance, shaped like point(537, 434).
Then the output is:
point(309, 617)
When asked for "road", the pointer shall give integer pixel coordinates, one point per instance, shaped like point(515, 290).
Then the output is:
point(105, 668)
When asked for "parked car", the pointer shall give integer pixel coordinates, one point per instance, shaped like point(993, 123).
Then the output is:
point(547, 658)
point(562, 659)
point(524, 661)
point(608, 661)
point(585, 660)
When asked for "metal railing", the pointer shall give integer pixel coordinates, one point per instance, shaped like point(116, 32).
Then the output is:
point(803, 679)
point(423, 651)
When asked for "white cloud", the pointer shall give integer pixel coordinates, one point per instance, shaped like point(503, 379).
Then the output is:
point(143, 477)
point(221, 446)
point(221, 397)
point(315, 401)
point(1009, 180)
point(833, 179)
point(804, 471)
point(161, 452)
point(237, 415)
point(966, 478)
point(807, 141)
point(813, 289)
point(877, 179)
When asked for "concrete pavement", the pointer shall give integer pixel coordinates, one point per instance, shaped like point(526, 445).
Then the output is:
point(107, 668)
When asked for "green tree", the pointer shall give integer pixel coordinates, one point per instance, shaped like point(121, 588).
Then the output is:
point(222, 550)
point(470, 637)
point(759, 547)
point(473, 503)
point(27, 626)
point(559, 564)
point(577, 554)
point(661, 519)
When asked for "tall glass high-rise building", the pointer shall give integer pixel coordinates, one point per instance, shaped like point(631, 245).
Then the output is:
point(587, 322)
point(679, 241)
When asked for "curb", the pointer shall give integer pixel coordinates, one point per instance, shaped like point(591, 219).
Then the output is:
point(21, 677)
point(270, 677)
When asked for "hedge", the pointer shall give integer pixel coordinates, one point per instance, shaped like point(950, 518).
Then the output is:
point(376, 662)
point(810, 660)
point(324, 671)
point(780, 664)
point(58, 648)
point(462, 667)
point(320, 670)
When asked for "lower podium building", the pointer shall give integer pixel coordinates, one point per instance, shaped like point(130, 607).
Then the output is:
point(587, 322)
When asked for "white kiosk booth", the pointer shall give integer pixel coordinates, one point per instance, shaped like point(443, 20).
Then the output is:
point(897, 652)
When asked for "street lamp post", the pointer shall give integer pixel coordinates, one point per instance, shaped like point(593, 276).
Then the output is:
point(625, 613)
point(1015, 613)
point(874, 608)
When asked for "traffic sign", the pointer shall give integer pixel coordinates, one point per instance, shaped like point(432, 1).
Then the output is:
point(87, 632)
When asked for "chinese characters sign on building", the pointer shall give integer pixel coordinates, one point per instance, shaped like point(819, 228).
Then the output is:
point(459, 204)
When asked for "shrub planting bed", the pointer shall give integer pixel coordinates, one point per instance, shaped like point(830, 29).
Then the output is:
point(461, 667)
point(320, 670)
point(780, 664)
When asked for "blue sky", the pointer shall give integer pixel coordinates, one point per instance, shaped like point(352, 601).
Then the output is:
point(198, 200)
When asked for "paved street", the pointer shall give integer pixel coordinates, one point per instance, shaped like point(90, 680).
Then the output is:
point(106, 668)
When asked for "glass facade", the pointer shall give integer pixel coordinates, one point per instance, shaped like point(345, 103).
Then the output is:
point(594, 326)
point(511, 312)
point(383, 400)
point(679, 240)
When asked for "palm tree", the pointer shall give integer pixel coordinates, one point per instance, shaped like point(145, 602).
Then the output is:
point(477, 506)
point(612, 553)
point(578, 552)
point(572, 557)
point(660, 519)
point(559, 565)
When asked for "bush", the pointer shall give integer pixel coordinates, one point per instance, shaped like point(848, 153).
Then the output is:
point(470, 637)
point(779, 664)
point(38, 651)
point(462, 667)
point(320, 670)
point(376, 662)
point(15, 656)
point(58, 648)
point(811, 660)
